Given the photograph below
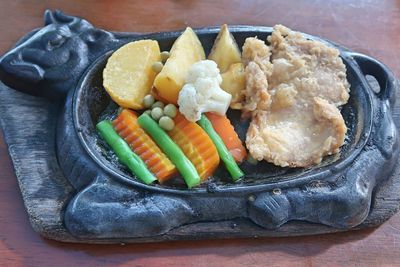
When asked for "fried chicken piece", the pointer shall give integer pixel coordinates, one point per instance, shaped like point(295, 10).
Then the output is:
point(299, 140)
point(256, 59)
point(296, 58)
point(256, 93)
point(255, 50)
point(307, 83)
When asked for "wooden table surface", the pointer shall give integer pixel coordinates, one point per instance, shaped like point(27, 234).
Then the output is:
point(371, 27)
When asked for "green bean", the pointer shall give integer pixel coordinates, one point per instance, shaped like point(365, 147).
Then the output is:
point(124, 153)
point(172, 150)
point(223, 152)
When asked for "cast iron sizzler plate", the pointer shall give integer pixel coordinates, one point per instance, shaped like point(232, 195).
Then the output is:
point(63, 62)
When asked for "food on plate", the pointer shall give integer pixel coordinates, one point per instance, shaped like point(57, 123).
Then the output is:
point(234, 82)
point(128, 75)
point(225, 50)
point(160, 112)
point(166, 123)
point(202, 92)
point(256, 50)
point(171, 149)
point(300, 123)
point(170, 110)
point(124, 153)
point(256, 59)
point(148, 101)
point(196, 145)
point(157, 66)
point(251, 160)
point(185, 51)
point(229, 162)
point(164, 56)
point(222, 125)
point(290, 89)
point(127, 127)
point(158, 104)
point(157, 113)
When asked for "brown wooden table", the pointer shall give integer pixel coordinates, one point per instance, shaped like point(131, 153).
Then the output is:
point(370, 27)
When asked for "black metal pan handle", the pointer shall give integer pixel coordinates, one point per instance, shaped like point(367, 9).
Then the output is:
point(385, 77)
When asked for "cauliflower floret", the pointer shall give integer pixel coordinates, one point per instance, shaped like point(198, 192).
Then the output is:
point(203, 86)
point(204, 69)
point(187, 102)
point(202, 92)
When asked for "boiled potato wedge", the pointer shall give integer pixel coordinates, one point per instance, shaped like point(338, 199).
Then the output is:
point(225, 50)
point(233, 82)
point(185, 51)
point(128, 75)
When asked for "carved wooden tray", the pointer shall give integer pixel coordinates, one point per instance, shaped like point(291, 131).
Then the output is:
point(72, 192)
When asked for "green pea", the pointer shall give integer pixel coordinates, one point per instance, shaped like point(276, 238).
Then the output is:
point(148, 112)
point(166, 123)
point(157, 113)
point(158, 104)
point(157, 67)
point(251, 160)
point(170, 110)
point(148, 101)
point(164, 56)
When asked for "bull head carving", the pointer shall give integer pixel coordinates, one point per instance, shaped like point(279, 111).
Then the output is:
point(48, 61)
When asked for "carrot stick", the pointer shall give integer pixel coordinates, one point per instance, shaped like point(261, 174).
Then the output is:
point(182, 163)
point(225, 130)
point(124, 154)
point(223, 152)
point(196, 145)
point(128, 128)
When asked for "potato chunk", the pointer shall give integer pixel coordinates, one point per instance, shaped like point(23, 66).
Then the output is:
point(185, 51)
point(128, 75)
point(225, 50)
point(233, 82)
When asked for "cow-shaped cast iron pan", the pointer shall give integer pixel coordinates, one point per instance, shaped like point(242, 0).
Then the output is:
point(64, 60)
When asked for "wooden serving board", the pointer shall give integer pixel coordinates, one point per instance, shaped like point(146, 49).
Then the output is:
point(29, 125)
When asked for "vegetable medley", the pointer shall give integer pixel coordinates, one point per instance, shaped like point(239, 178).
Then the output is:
point(173, 108)
point(174, 103)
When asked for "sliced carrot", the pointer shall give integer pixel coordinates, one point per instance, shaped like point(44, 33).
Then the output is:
point(196, 145)
point(222, 125)
point(127, 127)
